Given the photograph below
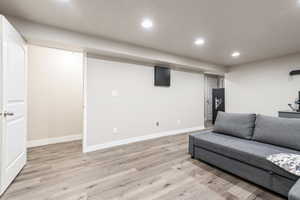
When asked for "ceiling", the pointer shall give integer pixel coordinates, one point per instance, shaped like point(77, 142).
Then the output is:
point(259, 29)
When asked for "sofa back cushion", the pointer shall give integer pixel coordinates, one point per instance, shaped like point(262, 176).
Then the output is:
point(235, 124)
point(278, 131)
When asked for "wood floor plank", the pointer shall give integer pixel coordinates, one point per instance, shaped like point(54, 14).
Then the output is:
point(159, 169)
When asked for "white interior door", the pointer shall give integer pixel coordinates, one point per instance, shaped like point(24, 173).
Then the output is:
point(13, 103)
point(211, 82)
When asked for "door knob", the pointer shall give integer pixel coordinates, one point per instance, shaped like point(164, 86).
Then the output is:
point(7, 114)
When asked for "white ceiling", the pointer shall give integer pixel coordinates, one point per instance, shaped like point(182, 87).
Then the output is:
point(259, 29)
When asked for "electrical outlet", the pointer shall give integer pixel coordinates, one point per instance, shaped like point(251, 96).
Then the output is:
point(178, 121)
point(157, 123)
point(115, 130)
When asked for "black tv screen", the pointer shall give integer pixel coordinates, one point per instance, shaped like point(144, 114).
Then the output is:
point(161, 76)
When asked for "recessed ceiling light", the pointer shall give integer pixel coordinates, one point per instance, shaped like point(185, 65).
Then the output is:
point(235, 54)
point(147, 23)
point(199, 41)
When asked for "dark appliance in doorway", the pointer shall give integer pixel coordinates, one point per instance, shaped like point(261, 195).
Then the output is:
point(218, 103)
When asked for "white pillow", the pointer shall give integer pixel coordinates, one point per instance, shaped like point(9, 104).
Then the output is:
point(287, 161)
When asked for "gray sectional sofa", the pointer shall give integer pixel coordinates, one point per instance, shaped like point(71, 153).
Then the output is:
point(240, 143)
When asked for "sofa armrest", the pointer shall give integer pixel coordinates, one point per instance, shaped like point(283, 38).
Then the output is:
point(192, 140)
point(294, 193)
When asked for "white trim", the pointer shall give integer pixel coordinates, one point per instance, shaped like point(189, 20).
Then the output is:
point(84, 68)
point(42, 142)
point(141, 138)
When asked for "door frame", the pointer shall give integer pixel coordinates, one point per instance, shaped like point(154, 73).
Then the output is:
point(221, 84)
point(84, 136)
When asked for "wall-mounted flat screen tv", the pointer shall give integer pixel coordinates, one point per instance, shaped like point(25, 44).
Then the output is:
point(162, 76)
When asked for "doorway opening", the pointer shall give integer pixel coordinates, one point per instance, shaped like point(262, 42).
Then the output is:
point(55, 96)
point(210, 82)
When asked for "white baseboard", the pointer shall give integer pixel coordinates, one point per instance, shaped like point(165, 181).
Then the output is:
point(42, 142)
point(141, 138)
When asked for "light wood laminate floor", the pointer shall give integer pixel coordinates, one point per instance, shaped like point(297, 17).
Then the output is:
point(159, 169)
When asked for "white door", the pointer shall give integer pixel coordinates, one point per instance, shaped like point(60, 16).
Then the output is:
point(211, 82)
point(13, 103)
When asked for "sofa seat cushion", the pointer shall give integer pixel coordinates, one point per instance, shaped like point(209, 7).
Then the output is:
point(247, 151)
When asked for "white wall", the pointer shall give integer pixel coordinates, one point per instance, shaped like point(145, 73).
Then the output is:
point(139, 105)
point(263, 87)
point(55, 88)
